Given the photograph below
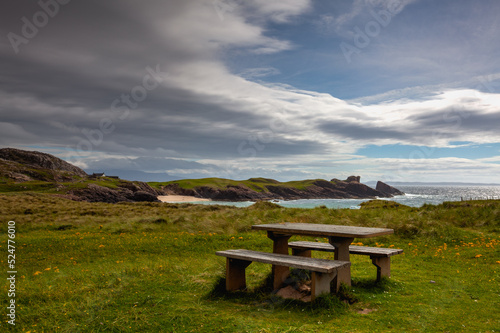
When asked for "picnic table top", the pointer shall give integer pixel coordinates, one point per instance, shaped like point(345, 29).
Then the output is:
point(325, 230)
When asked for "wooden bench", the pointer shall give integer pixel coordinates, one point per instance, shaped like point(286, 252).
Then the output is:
point(323, 271)
point(380, 256)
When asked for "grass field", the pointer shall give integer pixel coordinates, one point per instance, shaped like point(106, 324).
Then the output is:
point(151, 267)
point(256, 184)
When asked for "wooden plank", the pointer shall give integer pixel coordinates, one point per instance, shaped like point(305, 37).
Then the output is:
point(323, 230)
point(313, 264)
point(374, 251)
point(327, 247)
point(235, 274)
point(354, 249)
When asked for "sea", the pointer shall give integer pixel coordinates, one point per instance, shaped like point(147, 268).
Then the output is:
point(415, 196)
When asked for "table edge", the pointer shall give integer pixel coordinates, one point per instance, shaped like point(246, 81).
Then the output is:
point(268, 227)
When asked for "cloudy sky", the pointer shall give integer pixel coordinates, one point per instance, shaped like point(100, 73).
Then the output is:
point(396, 90)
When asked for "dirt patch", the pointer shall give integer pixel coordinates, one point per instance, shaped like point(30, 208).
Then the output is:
point(302, 293)
point(365, 311)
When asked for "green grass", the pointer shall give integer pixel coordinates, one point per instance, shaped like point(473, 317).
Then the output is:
point(151, 267)
point(57, 187)
point(256, 184)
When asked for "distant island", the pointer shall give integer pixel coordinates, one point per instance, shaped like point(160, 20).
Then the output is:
point(22, 170)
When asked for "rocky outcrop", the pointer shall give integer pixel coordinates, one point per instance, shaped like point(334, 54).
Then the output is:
point(230, 193)
point(126, 191)
point(96, 193)
point(353, 179)
point(387, 189)
point(21, 166)
point(350, 188)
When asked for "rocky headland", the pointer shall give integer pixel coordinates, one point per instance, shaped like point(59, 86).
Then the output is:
point(255, 189)
point(22, 170)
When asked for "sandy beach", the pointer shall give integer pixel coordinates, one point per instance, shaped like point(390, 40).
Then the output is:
point(179, 198)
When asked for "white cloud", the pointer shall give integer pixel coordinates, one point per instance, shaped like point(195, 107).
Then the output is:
point(281, 11)
point(359, 14)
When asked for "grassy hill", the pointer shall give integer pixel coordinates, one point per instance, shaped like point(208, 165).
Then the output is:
point(269, 189)
point(256, 184)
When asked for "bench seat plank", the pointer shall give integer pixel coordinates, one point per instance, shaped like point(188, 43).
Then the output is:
point(323, 271)
point(380, 256)
point(354, 249)
point(312, 264)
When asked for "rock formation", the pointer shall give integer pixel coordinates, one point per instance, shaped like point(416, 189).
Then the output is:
point(21, 166)
point(97, 193)
point(350, 188)
point(353, 179)
point(388, 189)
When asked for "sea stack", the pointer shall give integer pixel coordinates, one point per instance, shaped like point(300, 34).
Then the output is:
point(388, 189)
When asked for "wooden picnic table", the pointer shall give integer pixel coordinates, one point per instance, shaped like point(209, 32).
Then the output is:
point(340, 236)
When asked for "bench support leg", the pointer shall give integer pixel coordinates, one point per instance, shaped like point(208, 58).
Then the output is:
point(235, 274)
point(321, 283)
point(280, 245)
point(301, 253)
point(383, 266)
point(342, 253)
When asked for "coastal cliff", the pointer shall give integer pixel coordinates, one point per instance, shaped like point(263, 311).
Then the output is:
point(255, 189)
point(22, 170)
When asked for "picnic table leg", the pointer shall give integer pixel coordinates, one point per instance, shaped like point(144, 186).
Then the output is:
point(235, 274)
point(301, 253)
point(342, 253)
point(383, 266)
point(280, 245)
point(321, 283)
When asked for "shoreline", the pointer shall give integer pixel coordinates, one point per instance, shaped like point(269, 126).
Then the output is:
point(180, 198)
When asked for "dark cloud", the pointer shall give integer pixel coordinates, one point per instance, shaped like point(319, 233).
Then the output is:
point(364, 132)
point(146, 163)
